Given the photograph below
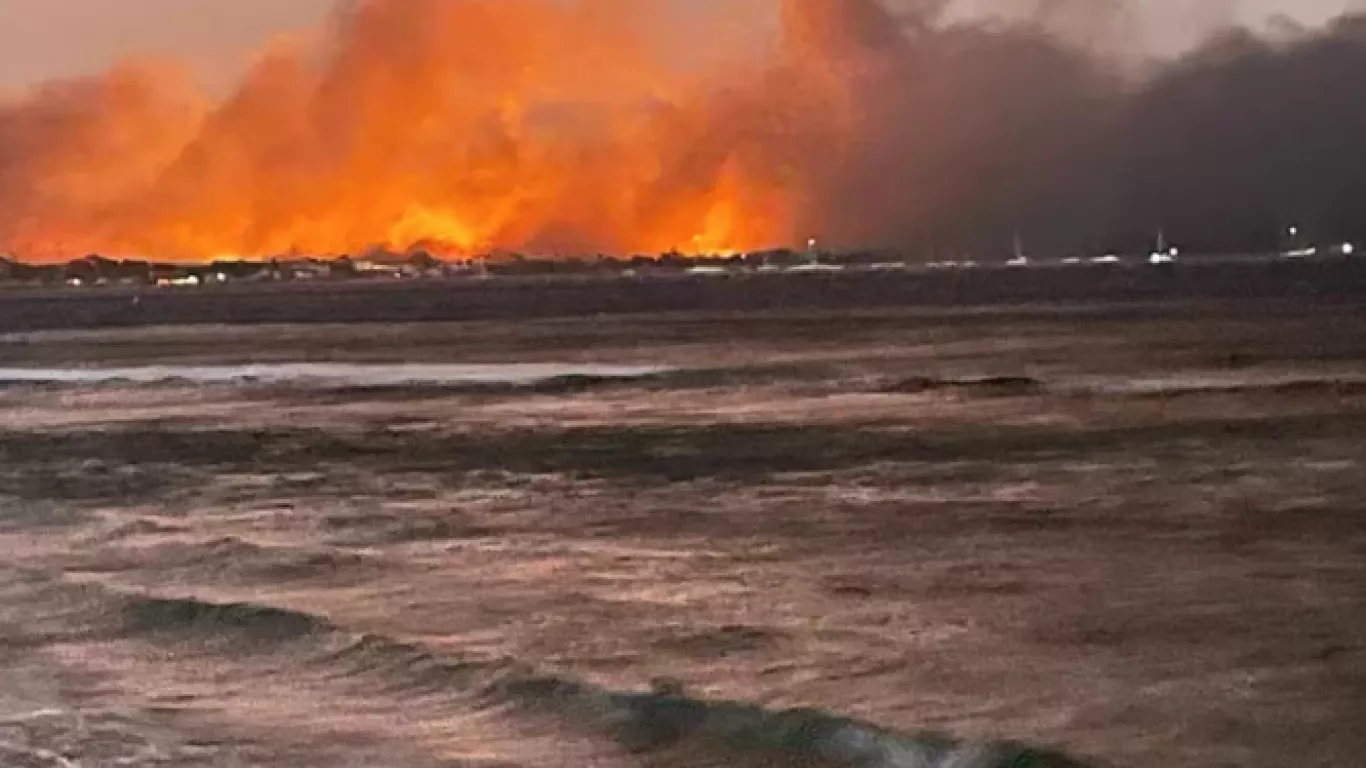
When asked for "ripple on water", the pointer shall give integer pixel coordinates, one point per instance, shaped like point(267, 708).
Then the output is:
point(333, 374)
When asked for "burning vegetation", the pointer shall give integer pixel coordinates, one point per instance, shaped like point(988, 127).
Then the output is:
point(458, 126)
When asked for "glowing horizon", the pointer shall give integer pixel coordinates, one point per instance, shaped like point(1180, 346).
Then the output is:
point(460, 126)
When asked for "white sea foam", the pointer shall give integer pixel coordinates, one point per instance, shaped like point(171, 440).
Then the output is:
point(328, 374)
point(1208, 381)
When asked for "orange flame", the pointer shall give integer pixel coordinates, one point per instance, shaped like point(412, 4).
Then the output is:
point(553, 126)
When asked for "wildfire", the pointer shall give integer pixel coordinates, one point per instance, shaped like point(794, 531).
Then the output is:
point(554, 126)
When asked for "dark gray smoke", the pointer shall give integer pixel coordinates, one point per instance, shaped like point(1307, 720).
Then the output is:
point(968, 134)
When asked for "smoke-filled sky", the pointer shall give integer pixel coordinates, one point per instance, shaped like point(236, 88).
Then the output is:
point(41, 39)
point(253, 127)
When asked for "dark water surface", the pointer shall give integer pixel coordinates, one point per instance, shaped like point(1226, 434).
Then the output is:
point(802, 540)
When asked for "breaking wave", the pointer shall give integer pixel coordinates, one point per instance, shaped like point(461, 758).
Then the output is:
point(1342, 386)
point(1198, 383)
point(667, 723)
point(662, 726)
point(336, 374)
point(992, 386)
point(182, 616)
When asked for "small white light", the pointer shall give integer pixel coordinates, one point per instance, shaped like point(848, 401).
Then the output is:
point(1348, 249)
point(1174, 252)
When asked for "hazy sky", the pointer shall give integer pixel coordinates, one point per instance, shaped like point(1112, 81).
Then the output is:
point(1164, 27)
point(41, 39)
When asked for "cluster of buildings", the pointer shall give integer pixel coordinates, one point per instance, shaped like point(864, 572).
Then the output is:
point(95, 270)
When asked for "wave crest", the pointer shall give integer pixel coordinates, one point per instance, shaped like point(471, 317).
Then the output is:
point(158, 615)
point(661, 727)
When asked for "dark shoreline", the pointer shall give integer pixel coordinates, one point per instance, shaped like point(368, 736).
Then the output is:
point(1339, 282)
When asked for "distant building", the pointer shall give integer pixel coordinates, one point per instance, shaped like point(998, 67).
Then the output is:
point(307, 269)
point(814, 267)
point(233, 270)
point(708, 270)
point(168, 276)
point(379, 262)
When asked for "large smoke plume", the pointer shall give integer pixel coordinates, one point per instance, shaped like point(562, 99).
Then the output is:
point(577, 126)
point(972, 132)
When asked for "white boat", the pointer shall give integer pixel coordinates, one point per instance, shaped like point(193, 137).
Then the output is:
point(1019, 259)
point(1163, 253)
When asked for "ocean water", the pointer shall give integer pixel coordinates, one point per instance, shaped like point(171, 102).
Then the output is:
point(886, 545)
point(302, 673)
point(327, 374)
